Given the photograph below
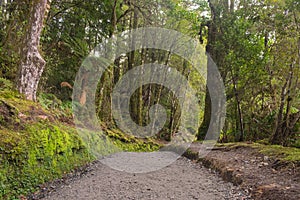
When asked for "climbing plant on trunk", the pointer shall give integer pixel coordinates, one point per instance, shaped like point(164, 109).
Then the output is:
point(32, 63)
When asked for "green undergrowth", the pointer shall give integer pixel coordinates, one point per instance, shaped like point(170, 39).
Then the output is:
point(130, 143)
point(39, 153)
point(37, 147)
point(287, 154)
point(111, 141)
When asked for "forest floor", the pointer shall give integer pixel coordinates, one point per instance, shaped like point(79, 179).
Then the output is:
point(262, 175)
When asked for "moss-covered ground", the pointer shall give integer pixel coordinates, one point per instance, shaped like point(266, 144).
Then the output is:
point(37, 145)
point(288, 154)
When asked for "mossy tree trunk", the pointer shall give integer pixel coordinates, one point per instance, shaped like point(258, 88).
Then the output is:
point(32, 63)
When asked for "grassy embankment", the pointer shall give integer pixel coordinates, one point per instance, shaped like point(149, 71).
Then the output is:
point(39, 143)
point(284, 154)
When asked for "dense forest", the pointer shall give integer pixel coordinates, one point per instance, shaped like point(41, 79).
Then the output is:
point(255, 45)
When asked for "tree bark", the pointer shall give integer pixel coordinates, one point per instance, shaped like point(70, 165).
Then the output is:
point(212, 30)
point(240, 114)
point(216, 56)
point(32, 63)
point(131, 65)
point(285, 121)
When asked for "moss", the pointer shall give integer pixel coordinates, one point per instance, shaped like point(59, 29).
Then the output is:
point(34, 151)
point(191, 154)
point(113, 140)
point(97, 143)
point(285, 153)
point(290, 154)
point(43, 152)
point(16, 100)
point(38, 154)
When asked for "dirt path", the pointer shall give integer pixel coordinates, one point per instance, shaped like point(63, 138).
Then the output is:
point(184, 179)
point(265, 178)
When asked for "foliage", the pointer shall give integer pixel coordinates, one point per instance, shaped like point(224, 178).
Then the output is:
point(35, 150)
point(5, 84)
point(49, 101)
point(257, 57)
point(254, 43)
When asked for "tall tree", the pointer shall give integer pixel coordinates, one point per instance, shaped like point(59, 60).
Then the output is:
point(32, 63)
point(213, 52)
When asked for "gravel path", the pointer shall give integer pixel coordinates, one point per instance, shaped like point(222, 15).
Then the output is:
point(182, 180)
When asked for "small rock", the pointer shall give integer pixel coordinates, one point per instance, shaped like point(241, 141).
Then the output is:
point(266, 158)
point(265, 164)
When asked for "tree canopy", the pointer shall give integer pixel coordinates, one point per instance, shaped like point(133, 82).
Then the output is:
point(255, 44)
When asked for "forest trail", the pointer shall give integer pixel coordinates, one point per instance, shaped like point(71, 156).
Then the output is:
point(183, 179)
point(263, 176)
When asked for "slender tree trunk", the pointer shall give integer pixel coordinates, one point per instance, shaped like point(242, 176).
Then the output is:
point(285, 121)
point(113, 19)
point(160, 88)
point(140, 95)
point(32, 63)
point(240, 114)
point(151, 96)
point(277, 135)
point(131, 65)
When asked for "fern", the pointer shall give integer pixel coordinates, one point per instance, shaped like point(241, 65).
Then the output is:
point(6, 84)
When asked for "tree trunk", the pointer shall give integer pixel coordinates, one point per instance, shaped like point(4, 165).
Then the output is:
point(240, 114)
point(131, 64)
point(284, 125)
point(210, 51)
point(215, 57)
point(32, 63)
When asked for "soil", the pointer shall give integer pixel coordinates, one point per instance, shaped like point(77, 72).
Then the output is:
point(263, 177)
